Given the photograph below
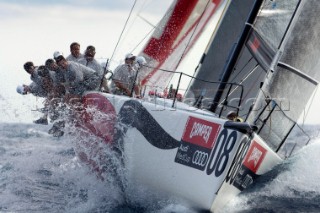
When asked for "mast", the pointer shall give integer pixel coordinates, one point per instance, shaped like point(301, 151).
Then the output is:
point(234, 57)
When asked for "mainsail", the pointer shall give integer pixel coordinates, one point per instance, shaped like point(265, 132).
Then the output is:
point(293, 73)
point(174, 36)
point(277, 66)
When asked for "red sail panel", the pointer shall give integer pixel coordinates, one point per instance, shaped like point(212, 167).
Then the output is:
point(175, 35)
point(160, 48)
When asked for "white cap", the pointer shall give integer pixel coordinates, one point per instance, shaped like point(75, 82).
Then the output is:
point(130, 55)
point(231, 113)
point(56, 54)
point(21, 90)
point(141, 60)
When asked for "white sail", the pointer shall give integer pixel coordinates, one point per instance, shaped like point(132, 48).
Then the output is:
point(293, 76)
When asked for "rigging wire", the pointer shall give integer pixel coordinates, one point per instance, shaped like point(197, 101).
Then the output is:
point(244, 66)
point(134, 20)
point(149, 23)
point(143, 39)
point(242, 80)
point(125, 25)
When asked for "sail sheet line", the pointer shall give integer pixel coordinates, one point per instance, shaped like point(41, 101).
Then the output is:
point(301, 129)
point(275, 107)
point(143, 39)
point(149, 23)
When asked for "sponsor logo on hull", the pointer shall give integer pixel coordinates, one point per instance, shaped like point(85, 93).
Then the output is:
point(247, 171)
point(197, 142)
point(254, 157)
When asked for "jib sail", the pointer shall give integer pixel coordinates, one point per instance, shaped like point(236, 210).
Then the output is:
point(176, 33)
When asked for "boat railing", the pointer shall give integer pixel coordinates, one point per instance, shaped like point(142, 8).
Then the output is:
point(279, 134)
point(177, 90)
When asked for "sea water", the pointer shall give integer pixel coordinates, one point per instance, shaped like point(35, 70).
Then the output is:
point(40, 173)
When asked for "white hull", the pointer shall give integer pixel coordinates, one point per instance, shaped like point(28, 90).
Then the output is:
point(190, 155)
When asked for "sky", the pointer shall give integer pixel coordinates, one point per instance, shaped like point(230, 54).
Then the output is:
point(31, 30)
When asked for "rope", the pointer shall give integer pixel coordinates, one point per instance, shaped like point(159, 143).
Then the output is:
point(125, 25)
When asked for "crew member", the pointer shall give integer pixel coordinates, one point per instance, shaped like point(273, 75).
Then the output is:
point(124, 77)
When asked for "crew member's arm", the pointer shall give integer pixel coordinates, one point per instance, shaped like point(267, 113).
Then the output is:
point(122, 86)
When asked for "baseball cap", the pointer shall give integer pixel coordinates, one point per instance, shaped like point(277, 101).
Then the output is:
point(130, 56)
point(20, 89)
point(141, 60)
point(59, 58)
point(56, 54)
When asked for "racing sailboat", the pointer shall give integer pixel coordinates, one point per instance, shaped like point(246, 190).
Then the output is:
point(189, 150)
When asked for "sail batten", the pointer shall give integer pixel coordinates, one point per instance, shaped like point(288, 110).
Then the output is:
point(298, 72)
